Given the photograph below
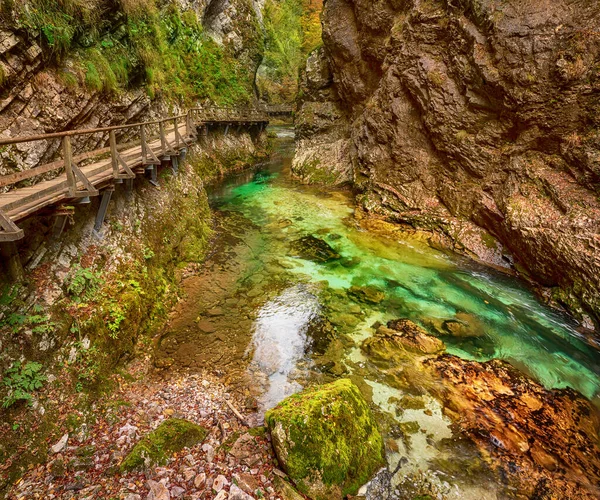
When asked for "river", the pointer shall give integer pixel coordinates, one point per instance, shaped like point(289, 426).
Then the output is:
point(279, 320)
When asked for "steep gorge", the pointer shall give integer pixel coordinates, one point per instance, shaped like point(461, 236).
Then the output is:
point(477, 120)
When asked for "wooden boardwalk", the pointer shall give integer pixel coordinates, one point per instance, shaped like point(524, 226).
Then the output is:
point(109, 165)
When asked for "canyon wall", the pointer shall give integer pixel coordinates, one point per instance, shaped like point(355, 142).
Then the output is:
point(476, 119)
point(118, 71)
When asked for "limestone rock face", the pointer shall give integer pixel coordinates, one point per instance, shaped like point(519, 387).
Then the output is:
point(326, 439)
point(475, 119)
point(324, 148)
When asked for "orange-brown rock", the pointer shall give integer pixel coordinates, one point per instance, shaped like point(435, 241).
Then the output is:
point(399, 337)
point(544, 442)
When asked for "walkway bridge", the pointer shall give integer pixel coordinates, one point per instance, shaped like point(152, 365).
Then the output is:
point(47, 188)
point(280, 110)
point(114, 163)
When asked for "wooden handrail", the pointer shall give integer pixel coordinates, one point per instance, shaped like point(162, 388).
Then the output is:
point(89, 131)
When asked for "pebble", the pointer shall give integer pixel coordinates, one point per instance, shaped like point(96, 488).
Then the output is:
point(200, 480)
point(61, 444)
point(220, 483)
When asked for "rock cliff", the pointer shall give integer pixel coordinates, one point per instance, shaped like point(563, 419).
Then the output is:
point(41, 92)
point(476, 119)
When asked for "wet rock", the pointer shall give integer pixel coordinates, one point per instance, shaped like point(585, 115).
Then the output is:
point(399, 337)
point(158, 491)
point(206, 326)
point(320, 333)
point(367, 294)
point(326, 440)
point(314, 249)
point(519, 422)
point(169, 437)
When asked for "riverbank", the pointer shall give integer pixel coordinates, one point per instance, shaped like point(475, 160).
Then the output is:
point(232, 456)
point(89, 302)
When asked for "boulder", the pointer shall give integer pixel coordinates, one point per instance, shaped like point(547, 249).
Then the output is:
point(313, 248)
point(327, 440)
point(399, 337)
point(367, 294)
point(159, 445)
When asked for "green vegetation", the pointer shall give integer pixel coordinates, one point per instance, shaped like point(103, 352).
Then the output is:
point(327, 440)
point(168, 438)
point(293, 30)
point(21, 381)
point(37, 322)
point(111, 48)
point(83, 284)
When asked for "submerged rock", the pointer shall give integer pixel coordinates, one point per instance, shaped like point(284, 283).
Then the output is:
point(168, 438)
point(367, 294)
point(313, 248)
point(399, 337)
point(327, 440)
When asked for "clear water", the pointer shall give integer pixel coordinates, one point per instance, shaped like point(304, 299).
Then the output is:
point(505, 320)
point(500, 316)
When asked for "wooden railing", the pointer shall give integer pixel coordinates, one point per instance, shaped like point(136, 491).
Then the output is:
point(172, 135)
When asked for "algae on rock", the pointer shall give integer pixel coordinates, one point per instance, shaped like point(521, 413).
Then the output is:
point(168, 438)
point(327, 440)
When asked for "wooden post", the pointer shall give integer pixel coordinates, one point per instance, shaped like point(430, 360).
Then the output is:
point(101, 215)
point(12, 261)
point(143, 138)
point(68, 158)
point(163, 138)
point(113, 154)
point(188, 125)
point(176, 133)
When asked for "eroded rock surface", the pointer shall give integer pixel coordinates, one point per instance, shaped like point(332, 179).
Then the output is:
point(545, 443)
point(476, 119)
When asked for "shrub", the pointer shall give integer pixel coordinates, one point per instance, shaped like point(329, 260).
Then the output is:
point(21, 381)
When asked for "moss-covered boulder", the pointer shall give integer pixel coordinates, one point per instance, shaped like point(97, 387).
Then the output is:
point(159, 445)
point(327, 440)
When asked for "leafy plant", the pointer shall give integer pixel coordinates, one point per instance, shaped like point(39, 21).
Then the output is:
point(21, 381)
point(87, 366)
point(83, 283)
point(116, 316)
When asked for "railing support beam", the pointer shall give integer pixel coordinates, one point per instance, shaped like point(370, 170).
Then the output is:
point(12, 260)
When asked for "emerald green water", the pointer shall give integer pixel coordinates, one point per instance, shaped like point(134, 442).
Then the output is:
point(288, 300)
point(502, 318)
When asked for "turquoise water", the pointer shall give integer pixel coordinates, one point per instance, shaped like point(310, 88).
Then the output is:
point(498, 317)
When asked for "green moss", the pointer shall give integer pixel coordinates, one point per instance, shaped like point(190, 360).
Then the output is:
point(168, 438)
point(315, 173)
point(489, 241)
point(258, 431)
point(409, 427)
point(327, 439)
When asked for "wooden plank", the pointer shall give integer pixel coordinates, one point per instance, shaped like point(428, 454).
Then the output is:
point(11, 232)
